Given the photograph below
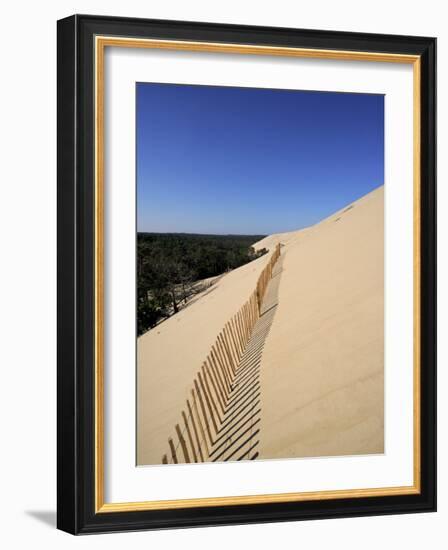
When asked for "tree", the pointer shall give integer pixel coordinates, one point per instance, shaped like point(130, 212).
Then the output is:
point(169, 267)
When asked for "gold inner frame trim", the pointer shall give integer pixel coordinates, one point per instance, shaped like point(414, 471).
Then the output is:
point(101, 42)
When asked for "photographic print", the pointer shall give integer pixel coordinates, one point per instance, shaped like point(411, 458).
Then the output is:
point(246, 274)
point(260, 274)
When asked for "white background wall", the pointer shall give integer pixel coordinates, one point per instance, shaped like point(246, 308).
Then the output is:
point(28, 272)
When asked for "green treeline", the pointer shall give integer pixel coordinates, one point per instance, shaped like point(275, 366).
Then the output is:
point(171, 268)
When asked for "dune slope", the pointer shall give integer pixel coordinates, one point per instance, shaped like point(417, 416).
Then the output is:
point(170, 355)
point(314, 363)
point(322, 364)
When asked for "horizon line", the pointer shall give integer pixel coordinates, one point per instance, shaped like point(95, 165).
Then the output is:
point(263, 234)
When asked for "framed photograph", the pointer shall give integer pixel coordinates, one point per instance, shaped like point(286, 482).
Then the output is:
point(246, 274)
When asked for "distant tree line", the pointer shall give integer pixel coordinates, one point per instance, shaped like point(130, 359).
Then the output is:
point(170, 267)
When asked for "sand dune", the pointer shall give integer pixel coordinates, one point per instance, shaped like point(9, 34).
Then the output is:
point(320, 363)
point(169, 356)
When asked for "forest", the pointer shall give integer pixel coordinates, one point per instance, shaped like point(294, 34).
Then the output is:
point(172, 268)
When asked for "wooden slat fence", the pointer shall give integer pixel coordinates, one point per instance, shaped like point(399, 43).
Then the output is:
point(200, 421)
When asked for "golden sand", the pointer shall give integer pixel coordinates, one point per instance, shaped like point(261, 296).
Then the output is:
point(321, 371)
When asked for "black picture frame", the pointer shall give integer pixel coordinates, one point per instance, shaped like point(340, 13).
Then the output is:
point(76, 256)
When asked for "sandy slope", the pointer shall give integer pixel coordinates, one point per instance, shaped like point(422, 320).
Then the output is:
point(169, 356)
point(322, 361)
point(322, 364)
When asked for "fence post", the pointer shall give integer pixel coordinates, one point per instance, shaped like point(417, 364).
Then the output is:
point(231, 341)
point(173, 450)
point(221, 361)
point(204, 439)
point(215, 382)
point(219, 371)
point(195, 431)
point(239, 338)
point(229, 355)
point(207, 387)
point(183, 444)
point(232, 346)
point(225, 360)
point(209, 407)
point(190, 439)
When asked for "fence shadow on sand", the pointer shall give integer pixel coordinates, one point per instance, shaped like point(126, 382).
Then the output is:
point(221, 420)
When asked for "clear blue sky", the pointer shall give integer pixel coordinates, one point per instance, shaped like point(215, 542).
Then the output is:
point(252, 161)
